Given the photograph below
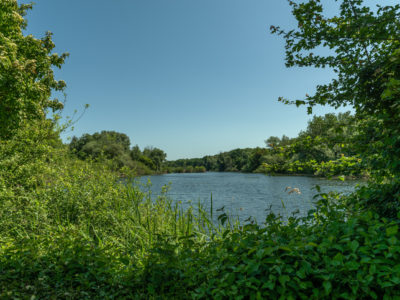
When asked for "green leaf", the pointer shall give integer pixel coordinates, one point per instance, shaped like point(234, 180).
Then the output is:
point(301, 273)
point(372, 269)
point(354, 245)
point(283, 279)
point(352, 265)
point(327, 287)
point(269, 285)
point(392, 230)
point(337, 259)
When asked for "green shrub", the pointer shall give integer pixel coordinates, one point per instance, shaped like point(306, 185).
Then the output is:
point(73, 229)
point(383, 199)
point(331, 253)
point(359, 258)
point(200, 169)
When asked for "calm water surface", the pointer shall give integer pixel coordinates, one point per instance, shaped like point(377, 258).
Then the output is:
point(245, 195)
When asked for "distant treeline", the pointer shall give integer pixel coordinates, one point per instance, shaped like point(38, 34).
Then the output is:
point(325, 148)
point(238, 160)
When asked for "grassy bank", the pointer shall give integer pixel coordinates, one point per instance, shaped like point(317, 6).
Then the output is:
point(71, 229)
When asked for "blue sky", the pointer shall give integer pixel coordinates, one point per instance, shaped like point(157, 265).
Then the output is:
point(190, 77)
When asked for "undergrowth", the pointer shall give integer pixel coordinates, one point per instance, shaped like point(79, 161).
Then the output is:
point(72, 229)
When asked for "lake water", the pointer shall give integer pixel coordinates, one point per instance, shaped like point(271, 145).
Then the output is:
point(246, 195)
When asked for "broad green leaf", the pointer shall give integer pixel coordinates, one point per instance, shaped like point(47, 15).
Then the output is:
point(354, 245)
point(392, 230)
point(283, 279)
point(327, 287)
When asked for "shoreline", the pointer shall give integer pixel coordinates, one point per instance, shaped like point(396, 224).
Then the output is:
point(335, 177)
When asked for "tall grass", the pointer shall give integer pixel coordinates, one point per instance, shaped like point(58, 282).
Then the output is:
point(62, 219)
point(81, 213)
point(74, 230)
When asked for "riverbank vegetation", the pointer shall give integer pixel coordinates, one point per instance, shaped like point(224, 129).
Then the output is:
point(70, 228)
point(114, 149)
point(326, 148)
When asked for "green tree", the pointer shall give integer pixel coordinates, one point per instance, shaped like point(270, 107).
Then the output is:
point(224, 162)
point(255, 159)
point(334, 131)
point(361, 41)
point(110, 143)
point(210, 162)
point(136, 152)
point(330, 125)
point(274, 141)
point(26, 71)
point(364, 53)
point(308, 148)
point(156, 155)
point(240, 158)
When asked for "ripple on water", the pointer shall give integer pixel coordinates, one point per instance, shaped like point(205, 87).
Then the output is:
point(246, 194)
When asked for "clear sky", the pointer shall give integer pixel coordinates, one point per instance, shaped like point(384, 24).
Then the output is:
point(191, 77)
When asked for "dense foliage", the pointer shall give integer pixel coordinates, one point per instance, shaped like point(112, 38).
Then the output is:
point(364, 52)
point(326, 148)
point(74, 231)
point(232, 161)
point(26, 75)
point(70, 228)
point(115, 147)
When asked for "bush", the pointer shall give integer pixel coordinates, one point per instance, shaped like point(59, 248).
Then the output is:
point(73, 229)
point(383, 199)
point(349, 166)
point(335, 259)
point(328, 254)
